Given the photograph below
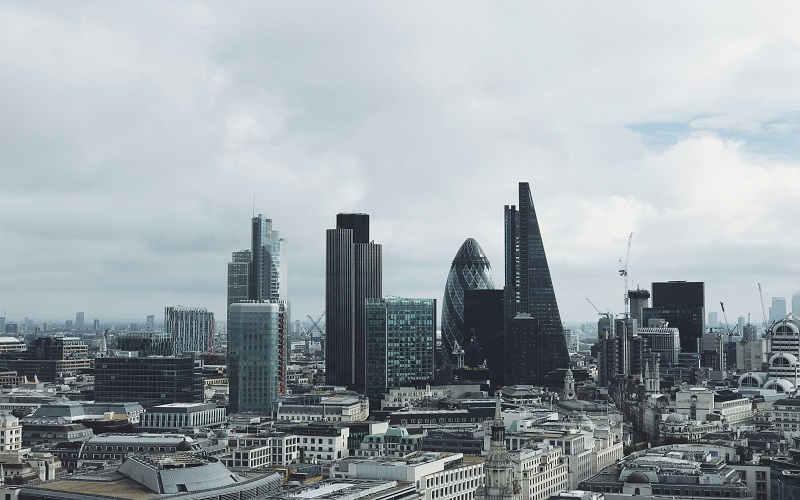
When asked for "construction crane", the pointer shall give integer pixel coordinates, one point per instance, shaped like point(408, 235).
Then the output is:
point(315, 325)
point(728, 328)
point(623, 271)
point(606, 314)
point(763, 309)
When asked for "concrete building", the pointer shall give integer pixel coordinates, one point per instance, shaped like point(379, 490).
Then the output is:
point(316, 408)
point(174, 417)
point(156, 475)
point(703, 404)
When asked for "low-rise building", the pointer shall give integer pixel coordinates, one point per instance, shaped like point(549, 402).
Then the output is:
point(174, 417)
point(319, 408)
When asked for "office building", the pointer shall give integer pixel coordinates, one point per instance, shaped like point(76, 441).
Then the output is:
point(147, 343)
point(257, 355)
point(713, 320)
point(484, 342)
point(239, 277)
point(682, 305)
point(529, 290)
point(353, 273)
point(400, 343)
point(96, 325)
point(150, 381)
point(79, 317)
point(50, 357)
point(261, 272)
point(663, 340)
point(192, 329)
point(177, 417)
point(777, 310)
point(151, 322)
point(470, 270)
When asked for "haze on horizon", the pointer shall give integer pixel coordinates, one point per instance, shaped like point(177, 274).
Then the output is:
point(133, 136)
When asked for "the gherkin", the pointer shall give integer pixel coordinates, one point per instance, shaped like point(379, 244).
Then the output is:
point(470, 271)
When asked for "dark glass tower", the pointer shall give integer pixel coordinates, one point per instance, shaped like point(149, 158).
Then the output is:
point(529, 290)
point(682, 304)
point(353, 273)
point(483, 332)
point(470, 270)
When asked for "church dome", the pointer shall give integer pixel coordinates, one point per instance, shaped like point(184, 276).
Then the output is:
point(638, 477)
point(675, 418)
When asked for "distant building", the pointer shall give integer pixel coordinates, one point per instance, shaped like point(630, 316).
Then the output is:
point(470, 270)
point(796, 304)
point(529, 290)
point(151, 380)
point(777, 310)
point(191, 329)
point(353, 273)
point(257, 355)
point(682, 305)
point(151, 320)
point(400, 342)
point(79, 317)
point(239, 276)
point(147, 343)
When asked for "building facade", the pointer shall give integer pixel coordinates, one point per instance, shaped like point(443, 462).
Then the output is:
point(529, 287)
point(353, 273)
point(682, 305)
point(470, 270)
point(191, 329)
point(400, 342)
point(257, 355)
point(150, 381)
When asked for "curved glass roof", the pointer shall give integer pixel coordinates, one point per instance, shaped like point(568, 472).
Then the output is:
point(470, 271)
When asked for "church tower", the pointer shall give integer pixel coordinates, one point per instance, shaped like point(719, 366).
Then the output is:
point(569, 385)
point(499, 483)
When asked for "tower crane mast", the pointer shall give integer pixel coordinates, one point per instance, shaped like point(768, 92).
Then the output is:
point(623, 271)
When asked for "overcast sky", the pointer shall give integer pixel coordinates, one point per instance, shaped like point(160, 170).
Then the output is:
point(133, 136)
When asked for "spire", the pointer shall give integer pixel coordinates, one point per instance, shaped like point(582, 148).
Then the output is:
point(497, 410)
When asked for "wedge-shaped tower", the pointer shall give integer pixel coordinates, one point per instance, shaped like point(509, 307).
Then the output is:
point(470, 271)
point(529, 295)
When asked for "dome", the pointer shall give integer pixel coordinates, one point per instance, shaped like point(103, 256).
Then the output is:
point(675, 418)
point(470, 270)
point(183, 446)
point(638, 477)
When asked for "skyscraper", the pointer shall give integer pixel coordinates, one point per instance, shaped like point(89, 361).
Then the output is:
point(470, 270)
point(257, 355)
point(79, 321)
point(529, 290)
point(777, 310)
point(796, 304)
point(191, 329)
point(483, 329)
point(400, 342)
point(261, 272)
point(353, 273)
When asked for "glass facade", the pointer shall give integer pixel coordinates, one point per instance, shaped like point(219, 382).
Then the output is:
point(529, 290)
point(400, 340)
point(257, 355)
point(470, 270)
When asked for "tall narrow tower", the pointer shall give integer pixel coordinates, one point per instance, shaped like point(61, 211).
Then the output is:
point(499, 482)
point(529, 291)
point(353, 273)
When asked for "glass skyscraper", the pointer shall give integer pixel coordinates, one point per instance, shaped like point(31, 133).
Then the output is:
point(261, 272)
point(470, 270)
point(257, 355)
point(529, 290)
point(400, 342)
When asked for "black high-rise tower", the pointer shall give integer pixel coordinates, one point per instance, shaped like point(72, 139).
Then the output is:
point(529, 291)
point(353, 273)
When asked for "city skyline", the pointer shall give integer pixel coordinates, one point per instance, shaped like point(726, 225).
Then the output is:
point(133, 150)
